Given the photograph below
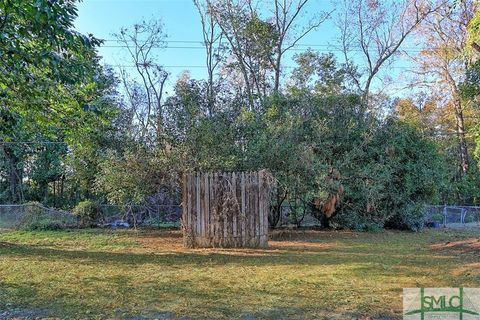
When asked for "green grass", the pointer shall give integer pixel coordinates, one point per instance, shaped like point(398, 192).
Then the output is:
point(101, 274)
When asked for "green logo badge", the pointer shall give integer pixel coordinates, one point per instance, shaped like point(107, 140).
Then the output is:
point(441, 303)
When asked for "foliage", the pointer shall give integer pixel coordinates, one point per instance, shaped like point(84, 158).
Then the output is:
point(87, 212)
point(35, 217)
point(51, 89)
point(470, 87)
point(132, 177)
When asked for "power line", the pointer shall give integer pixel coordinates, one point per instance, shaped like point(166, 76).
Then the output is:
point(204, 67)
point(202, 45)
point(291, 49)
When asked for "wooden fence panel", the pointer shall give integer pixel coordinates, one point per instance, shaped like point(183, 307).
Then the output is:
point(226, 209)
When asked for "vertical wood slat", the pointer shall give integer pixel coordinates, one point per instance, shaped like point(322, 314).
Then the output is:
point(197, 204)
point(260, 203)
point(211, 206)
point(243, 209)
point(225, 218)
point(184, 199)
point(245, 223)
point(193, 208)
point(189, 203)
point(234, 222)
point(256, 210)
point(254, 216)
point(205, 205)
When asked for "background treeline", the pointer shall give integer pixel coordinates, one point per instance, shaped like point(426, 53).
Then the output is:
point(341, 148)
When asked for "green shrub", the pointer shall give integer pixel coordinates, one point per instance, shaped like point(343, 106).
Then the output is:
point(35, 217)
point(87, 212)
point(411, 217)
point(43, 225)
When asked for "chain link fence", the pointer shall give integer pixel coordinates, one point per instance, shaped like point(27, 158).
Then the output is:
point(35, 216)
point(140, 215)
point(452, 216)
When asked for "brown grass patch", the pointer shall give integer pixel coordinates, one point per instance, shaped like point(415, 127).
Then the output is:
point(467, 246)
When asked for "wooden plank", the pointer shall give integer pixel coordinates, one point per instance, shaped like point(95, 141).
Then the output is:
point(251, 217)
point(206, 213)
point(197, 204)
point(260, 202)
point(189, 202)
point(212, 208)
point(202, 217)
point(224, 225)
point(184, 200)
point(243, 209)
point(264, 204)
point(201, 200)
point(257, 206)
point(216, 213)
point(234, 190)
point(267, 204)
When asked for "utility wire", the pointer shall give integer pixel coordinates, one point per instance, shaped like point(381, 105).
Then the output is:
point(202, 45)
point(203, 67)
point(333, 49)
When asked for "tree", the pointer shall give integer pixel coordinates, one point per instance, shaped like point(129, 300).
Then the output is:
point(251, 42)
point(48, 80)
point(214, 48)
point(145, 98)
point(441, 66)
point(376, 30)
point(318, 73)
point(474, 32)
point(286, 15)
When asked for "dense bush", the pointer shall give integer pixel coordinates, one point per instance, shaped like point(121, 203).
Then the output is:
point(411, 217)
point(43, 225)
point(396, 178)
point(350, 169)
point(87, 212)
point(34, 217)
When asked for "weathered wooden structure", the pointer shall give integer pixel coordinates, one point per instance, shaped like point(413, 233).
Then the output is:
point(226, 209)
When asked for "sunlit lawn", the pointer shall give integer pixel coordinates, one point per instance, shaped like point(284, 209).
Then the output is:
point(98, 274)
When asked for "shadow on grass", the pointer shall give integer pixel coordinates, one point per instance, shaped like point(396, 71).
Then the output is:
point(32, 305)
point(277, 255)
point(365, 258)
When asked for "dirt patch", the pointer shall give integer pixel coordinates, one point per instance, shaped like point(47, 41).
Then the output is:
point(155, 240)
point(467, 246)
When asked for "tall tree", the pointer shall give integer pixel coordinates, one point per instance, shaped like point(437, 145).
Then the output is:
point(287, 14)
point(145, 99)
point(376, 30)
point(214, 48)
point(442, 65)
point(251, 41)
point(47, 77)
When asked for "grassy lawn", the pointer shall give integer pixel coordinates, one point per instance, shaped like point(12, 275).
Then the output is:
point(98, 274)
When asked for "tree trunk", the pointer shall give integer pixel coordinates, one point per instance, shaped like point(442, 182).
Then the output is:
point(462, 142)
point(325, 221)
point(15, 175)
point(276, 210)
